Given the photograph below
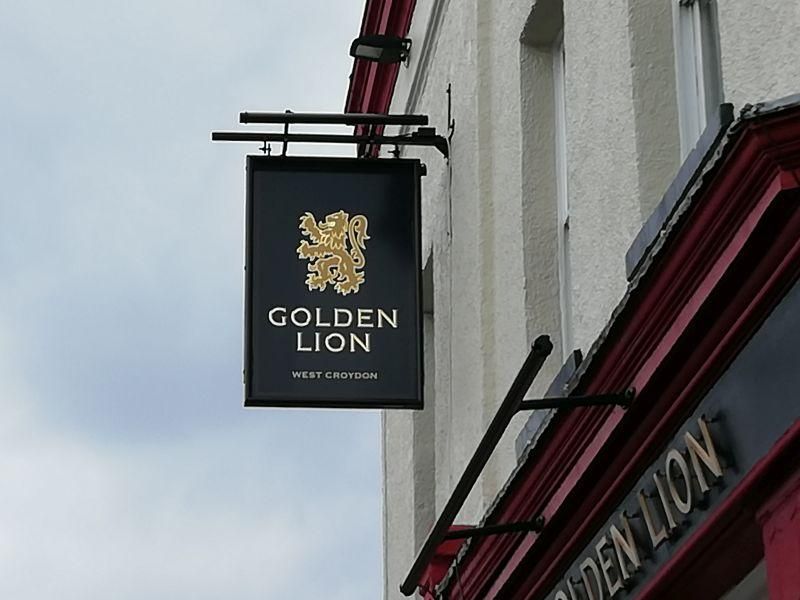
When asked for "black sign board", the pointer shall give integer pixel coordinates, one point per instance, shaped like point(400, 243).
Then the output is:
point(333, 311)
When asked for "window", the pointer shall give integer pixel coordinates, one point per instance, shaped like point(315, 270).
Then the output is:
point(697, 66)
point(545, 204)
point(562, 196)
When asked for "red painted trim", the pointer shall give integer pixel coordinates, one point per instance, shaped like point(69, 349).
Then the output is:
point(726, 268)
point(780, 518)
point(372, 84)
point(439, 564)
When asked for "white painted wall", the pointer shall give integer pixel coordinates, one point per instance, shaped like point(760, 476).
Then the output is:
point(495, 274)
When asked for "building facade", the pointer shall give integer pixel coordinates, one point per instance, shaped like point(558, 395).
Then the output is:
point(623, 177)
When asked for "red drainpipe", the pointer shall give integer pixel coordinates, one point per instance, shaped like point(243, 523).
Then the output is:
point(372, 84)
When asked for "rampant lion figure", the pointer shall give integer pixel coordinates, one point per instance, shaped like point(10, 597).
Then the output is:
point(330, 261)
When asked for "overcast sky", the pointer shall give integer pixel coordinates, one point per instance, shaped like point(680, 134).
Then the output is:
point(128, 467)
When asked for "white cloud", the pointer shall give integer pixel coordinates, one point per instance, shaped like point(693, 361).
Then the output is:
point(196, 518)
point(100, 526)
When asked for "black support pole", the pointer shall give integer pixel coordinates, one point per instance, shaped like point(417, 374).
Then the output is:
point(624, 399)
point(508, 408)
point(419, 138)
point(470, 532)
point(331, 118)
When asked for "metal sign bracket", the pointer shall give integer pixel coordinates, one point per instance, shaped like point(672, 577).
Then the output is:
point(535, 525)
point(368, 135)
point(513, 403)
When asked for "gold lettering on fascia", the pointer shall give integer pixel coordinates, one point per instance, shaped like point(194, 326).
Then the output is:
point(608, 567)
point(656, 531)
point(573, 594)
point(626, 549)
point(589, 566)
point(616, 557)
point(679, 483)
point(706, 455)
point(309, 321)
point(665, 505)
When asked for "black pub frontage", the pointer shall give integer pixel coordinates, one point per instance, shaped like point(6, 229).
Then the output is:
point(693, 491)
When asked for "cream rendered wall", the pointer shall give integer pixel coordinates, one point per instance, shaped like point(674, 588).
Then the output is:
point(760, 51)
point(483, 269)
point(408, 479)
point(398, 506)
point(490, 229)
point(480, 333)
point(601, 158)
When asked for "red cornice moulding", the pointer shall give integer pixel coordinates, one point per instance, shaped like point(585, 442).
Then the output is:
point(780, 519)
point(714, 284)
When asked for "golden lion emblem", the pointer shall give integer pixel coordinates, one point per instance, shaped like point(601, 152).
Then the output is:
point(330, 260)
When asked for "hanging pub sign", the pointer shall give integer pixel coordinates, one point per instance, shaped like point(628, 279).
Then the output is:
point(333, 312)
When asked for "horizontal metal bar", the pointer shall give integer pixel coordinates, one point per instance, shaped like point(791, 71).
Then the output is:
point(436, 141)
point(331, 118)
point(470, 532)
point(508, 408)
point(623, 399)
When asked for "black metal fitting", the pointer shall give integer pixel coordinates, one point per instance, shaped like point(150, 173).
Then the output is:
point(535, 525)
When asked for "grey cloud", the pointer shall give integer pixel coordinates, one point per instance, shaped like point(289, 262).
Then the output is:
point(134, 472)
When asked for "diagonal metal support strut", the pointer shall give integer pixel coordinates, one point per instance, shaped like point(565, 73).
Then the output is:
point(527, 526)
point(508, 408)
point(513, 403)
point(623, 399)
